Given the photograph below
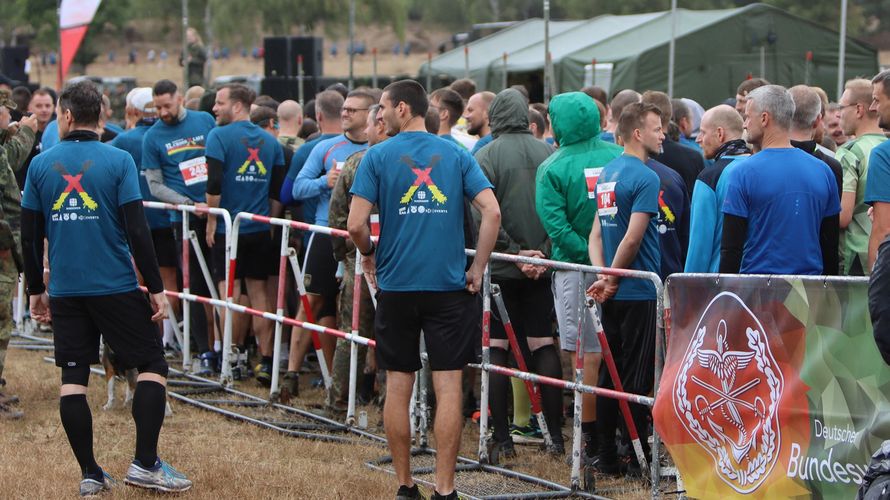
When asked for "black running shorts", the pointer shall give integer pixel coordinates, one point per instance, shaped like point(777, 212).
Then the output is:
point(320, 272)
point(254, 256)
point(166, 249)
point(449, 321)
point(124, 319)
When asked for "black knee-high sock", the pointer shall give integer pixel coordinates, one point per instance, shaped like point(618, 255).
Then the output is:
point(499, 391)
point(78, 423)
point(545, 361)
point(148, 412)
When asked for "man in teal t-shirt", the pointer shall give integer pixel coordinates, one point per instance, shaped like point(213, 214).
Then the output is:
point(625, 236)
point(241, 158)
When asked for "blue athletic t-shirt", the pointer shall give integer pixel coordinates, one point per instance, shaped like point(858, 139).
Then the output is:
point(131, 142)
point(607, 136)
point(286, 197)
point(178, 150)
point(784, 193)
point(248, 154)
point(877, 184)
point(450, 138)
point(626, 185)
point(419, 183)
point(312, 181)
point(50, 136)
point(78, 186)
point(482, 142)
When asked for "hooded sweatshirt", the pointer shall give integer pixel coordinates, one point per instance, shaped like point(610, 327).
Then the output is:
point(511, 164)
point(566, 181)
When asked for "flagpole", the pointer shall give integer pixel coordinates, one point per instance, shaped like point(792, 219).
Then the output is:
point(185, 54)
point(59, 54)
point(842, 55)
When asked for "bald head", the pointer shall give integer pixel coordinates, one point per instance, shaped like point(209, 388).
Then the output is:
point(476, 113)
point(290, 118)
point(719, 125)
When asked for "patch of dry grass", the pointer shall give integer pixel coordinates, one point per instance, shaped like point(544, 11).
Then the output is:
point(223, 457)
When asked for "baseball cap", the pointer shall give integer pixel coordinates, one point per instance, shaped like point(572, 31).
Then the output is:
point(142, 100)
point(6, 99)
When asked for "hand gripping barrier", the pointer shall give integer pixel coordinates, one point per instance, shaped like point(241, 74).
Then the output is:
point(577, 386)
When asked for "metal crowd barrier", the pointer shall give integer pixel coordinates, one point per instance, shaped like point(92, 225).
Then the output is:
point(279, 317)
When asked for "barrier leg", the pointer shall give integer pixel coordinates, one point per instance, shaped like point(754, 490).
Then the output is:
point(186, 304)
point(279, 310)
point(353, 347)
point(486, 359)
point(616, 381)
point(225, 378)
point(208, 278)
point(20, 305)
point(533, 393)
point(577, 435)
point(423, 409)
point(310, 317)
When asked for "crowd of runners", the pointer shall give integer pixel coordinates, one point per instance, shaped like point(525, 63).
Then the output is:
point(773, 181)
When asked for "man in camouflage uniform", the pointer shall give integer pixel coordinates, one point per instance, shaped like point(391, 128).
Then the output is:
point(290, 121)
point(344, 252)
point(15, 145)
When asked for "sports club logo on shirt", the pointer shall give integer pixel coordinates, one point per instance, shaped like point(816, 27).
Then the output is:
point(195, 143)
point(73, 185)
point(252, 165)
point(422, 177)
point(727, 394)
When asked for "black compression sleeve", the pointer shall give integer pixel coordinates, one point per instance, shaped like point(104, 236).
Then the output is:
point(735, 232)
point(829, 235)
point(214, 176)
point(33, 232)
point(141, 245)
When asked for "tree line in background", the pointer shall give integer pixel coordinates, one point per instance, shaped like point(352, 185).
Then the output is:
point(237, 23)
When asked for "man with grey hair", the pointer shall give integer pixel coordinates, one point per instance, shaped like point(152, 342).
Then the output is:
point(877, 190)
point(621, 99)
point(781, 204)
point(720, 138)
point(861, 123)
point(807, 119)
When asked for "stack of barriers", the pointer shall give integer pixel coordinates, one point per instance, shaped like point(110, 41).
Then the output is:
point(419, 409)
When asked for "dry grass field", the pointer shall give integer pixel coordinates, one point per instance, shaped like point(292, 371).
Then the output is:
point(223, 457)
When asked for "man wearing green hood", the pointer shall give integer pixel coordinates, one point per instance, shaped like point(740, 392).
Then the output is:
point(566, 203)
point(511, 163)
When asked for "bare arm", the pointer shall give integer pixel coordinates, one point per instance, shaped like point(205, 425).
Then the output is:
point(487, 205)
point(630, 244)
point(848, 203)
point(357, 225)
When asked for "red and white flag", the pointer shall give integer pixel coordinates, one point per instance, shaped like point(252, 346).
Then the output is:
point(74, 18)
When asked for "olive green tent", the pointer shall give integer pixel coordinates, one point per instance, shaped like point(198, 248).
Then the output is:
point(715, 51)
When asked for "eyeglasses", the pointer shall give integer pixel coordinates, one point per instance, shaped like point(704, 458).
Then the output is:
point(842, 106)
point(352, 111)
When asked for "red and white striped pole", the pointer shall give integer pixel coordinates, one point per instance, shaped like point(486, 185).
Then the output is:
point(186, 306)
point(279, 310)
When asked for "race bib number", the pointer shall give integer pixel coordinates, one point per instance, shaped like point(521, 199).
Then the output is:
point(592, 175)
point(375, 224)
point(194, 171)
point(605, 199)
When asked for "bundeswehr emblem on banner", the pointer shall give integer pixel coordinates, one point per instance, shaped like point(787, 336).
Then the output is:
point(727, 393)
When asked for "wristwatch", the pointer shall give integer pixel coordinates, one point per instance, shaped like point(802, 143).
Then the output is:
point(370, 251)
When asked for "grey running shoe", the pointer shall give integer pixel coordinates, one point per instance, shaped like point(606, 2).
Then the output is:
point(8, 399)
point(90, 487)
point(161, 477)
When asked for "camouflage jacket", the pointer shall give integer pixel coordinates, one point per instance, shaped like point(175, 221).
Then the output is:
point(338, 213)
point(290, 142)
point(14, 150)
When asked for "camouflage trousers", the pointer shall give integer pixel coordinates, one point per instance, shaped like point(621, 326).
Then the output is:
point(340, 371)
point(8, 284)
